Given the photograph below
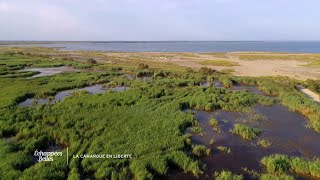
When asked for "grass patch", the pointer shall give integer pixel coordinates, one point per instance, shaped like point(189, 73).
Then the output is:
point(227, 71)
point(264, 143)
point(219, 63)
point(197, 130)
point(313, 64)
point(147, 121)
point(212, 141)
point(313, 85)
point(227, 175)
point(216, 54)
point(281, 164)
point(188, 55)
point(214, 124)
point(224, 149)
point(246, 132)
point(278, 56)
point(201, 151)
point(276, 177)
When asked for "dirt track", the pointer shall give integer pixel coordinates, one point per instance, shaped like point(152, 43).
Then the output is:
point(315, 97)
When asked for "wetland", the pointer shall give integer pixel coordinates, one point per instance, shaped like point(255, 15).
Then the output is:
point(176, 122)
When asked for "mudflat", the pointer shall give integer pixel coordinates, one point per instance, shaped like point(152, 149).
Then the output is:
point(300, 66)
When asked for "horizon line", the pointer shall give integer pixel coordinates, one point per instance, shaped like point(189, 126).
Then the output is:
point(152, 41)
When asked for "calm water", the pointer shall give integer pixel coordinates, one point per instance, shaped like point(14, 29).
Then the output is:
point(189, 46)
point(285, 129)
point(95, 89)
point(49, 71)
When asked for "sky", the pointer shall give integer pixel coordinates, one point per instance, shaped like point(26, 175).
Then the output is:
point(159, 20)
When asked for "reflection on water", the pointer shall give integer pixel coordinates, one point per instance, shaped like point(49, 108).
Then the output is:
point(285, 129)
point(96, 89)
point(216, 84)
point(49, 71)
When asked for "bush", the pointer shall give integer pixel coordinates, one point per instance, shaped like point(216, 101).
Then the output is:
point(91, 61)
point(143, 66)
point(206, 71)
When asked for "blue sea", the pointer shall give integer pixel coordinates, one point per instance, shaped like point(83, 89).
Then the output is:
point(186, 46)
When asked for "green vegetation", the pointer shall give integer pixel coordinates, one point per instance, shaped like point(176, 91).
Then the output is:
point(276, 177)
point(200, 151)
point(91, 61)
point(313, 85)
point(148, 120)
point(292, 98)
point(143, 66)
point(256, 117)
point(216, 54)
point(219, 63)
point(226, 81)
point(278, 56)
point(206, 71)
point(212, 141)
point(252, 173)
point(227, 71)
point(245, 132)
point(224, 149)
point(313, 64)
point(197, 130)
point(281, 164)
point(214, 124)
point(227, 175)
point(189, 55)
point(264, 143)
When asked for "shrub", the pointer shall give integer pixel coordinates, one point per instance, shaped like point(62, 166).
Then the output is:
point(143, 66)
point(91, 61)
point(206, 71)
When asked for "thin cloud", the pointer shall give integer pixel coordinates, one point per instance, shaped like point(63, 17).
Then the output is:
point(159, 19)
point(4, 7)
